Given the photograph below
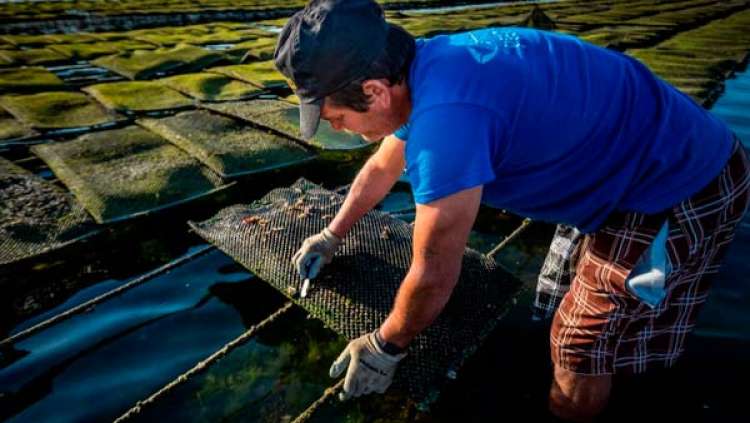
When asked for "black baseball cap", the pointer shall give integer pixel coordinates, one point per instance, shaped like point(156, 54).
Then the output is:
point(325, 46)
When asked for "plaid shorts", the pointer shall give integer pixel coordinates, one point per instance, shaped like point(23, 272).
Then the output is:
point(600, 327)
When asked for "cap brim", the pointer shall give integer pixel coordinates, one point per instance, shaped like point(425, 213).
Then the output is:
point(309, 118)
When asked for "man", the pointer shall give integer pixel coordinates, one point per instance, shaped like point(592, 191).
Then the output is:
point(548, 127)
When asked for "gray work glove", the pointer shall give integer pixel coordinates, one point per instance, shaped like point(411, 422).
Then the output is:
point(369, 368)
point(316, 251)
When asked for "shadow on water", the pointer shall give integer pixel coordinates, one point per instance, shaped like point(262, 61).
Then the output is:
point(132, 344)
point(272, 378)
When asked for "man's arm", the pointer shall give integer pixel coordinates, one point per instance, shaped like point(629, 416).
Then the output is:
point(373, 182)
point(440, 235)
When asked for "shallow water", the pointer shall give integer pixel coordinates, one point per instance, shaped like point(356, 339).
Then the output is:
point(727, 312)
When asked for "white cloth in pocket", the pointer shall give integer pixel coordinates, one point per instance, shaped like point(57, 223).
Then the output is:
point(646, 280)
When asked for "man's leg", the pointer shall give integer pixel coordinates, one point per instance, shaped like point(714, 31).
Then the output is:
point(577, 397)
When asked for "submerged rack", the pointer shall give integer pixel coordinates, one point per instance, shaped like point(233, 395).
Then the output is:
point(376, 254)
point(129, 172)
point(36, 216)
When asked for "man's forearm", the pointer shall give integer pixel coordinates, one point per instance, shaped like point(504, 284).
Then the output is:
point(369, 187)
point(421, 298)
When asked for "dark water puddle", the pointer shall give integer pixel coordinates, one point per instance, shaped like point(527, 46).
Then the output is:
point(133, 344)
point(272, 378)
point(727, 314)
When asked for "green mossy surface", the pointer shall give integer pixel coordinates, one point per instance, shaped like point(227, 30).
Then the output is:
point(284, 118)
point(228, 146)
point(165, 40)
point(261, 74)
point(119, 173)
point(35, 215)
point(258, 49)
point(138, 96)
point(245, 110)
point(147, 64)
point(56, 110)
point(19, 80)
point(87, 51)
point(114, 36)
point(211, 87)
point(697, 61)
point(75, 38)
point(11, 128)
point(223, 37)
point(29, 40)
point(33, 56)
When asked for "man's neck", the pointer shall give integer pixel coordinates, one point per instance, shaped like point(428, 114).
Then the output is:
point(401, 101)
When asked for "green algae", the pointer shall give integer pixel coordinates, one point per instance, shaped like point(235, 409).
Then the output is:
point(258, 49)
point(283, 117)
point(138, 96)
point(211, 87)
point(292, 99)
point(29, 79)
point(692, 58)
point(147, 64)
point(33, 56)
point(261, 74)
point(11, 128)
point(87, 51)
point(228, 146)
point(36, 216)
point(122, 173)
point(56, 110)
point(20, 40)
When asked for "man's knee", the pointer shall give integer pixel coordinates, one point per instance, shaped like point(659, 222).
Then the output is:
point(577, 397)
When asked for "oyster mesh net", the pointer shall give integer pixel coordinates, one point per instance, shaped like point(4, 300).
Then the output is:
point(230, 147)
point(355, 293)
point(124, 173)
point(35, 216)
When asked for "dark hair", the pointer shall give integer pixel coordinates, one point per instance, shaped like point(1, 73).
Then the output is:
point(393, 64)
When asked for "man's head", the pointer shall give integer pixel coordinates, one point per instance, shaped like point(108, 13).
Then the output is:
point(348, 66)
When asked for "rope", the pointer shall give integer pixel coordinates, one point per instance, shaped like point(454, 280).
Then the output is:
point(202, 365)
point(309, 411)
point(94, 301)
point(513, 235)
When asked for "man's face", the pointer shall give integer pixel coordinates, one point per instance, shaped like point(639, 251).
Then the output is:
point(373, 125)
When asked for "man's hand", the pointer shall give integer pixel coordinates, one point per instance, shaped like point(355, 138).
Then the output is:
point(369, 368)
point(316, 251)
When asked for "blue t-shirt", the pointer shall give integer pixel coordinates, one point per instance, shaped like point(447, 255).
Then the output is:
point(555, 129)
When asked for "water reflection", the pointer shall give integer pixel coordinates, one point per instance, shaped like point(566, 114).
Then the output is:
point(131, 345)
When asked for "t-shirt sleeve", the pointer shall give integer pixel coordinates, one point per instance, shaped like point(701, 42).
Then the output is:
point(402, 133)
point(450, 149)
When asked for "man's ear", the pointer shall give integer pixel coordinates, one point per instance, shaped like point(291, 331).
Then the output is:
point(379, 92)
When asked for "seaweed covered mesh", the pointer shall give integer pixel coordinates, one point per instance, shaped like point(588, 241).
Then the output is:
point(122, 173)
point(147, 64)
point(284, 118)
point(138, 96)
point(230, 147)
point(261, 74)
point(12, 129)
point(354, 294)
point(57, 110)
point(28, 79)
point(206, 86)
point(35, 216)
